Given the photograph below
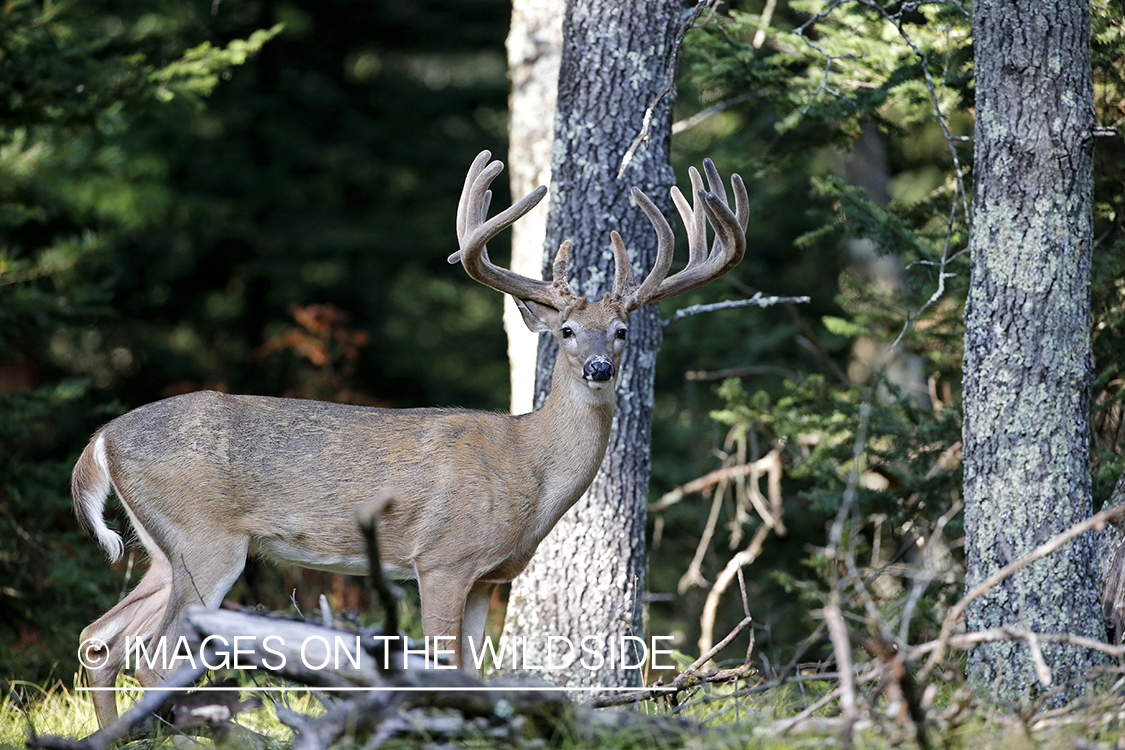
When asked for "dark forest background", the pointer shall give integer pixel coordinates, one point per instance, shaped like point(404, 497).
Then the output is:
point(258, 196)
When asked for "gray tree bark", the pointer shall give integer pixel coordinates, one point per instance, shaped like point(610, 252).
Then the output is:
point(1028, 360)
point(534, 53)
point(588, 577)
point(1110, 551)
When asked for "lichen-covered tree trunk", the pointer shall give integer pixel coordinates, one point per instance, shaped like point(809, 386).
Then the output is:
point(588, 577)
point(1028, 360)
point(534, 52)
point(1110, 555)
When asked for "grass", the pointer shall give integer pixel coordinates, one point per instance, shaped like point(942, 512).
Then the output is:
point(730, 719)
point(68, 712)
point(57, 710)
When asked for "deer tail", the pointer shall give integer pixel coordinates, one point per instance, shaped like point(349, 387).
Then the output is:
point(90, 485)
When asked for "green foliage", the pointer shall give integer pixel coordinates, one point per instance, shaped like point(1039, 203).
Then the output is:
point(197, 72)
point(856, 201)
point(897, 454)
point(179, 182)
point(72, 184)
point(62, 711)
point(854, 120)
point(1108, 289)
point(816, 427)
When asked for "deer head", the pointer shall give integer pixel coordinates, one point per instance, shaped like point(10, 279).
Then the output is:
point(591, 335)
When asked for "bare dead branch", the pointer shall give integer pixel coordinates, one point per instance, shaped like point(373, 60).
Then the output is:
point(963, 641)
point(741, 372)
point(745, 602)
point(1042, 671)
point(705, 114)
point(842, 648)
point(786, 726)
point(689, 676)
point(711, 606)
point(929, 572)
point(694, 574)
point(767, 16)
point(828, 59)
point(897, 676)
point(758, 300)
point(770, 464)
point(368, 516)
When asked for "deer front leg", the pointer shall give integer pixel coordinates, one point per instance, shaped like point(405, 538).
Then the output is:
point(473, 626)
point(444, 594)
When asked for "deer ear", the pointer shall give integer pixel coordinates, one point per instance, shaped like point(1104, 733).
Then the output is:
point(536, 316)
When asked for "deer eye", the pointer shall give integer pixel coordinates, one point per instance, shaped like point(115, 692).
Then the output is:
point(622, 333)
point(567, 332)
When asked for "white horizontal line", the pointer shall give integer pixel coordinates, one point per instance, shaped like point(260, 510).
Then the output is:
point(412, 688)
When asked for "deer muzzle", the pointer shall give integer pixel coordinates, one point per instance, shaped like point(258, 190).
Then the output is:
point(598, 369)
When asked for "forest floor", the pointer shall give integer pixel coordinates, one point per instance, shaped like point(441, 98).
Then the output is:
point(720, 717)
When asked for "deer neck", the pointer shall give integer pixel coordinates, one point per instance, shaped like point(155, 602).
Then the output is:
point(570, 433)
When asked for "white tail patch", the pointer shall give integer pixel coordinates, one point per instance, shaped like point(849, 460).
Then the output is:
point(103, 631)
point(93, 502)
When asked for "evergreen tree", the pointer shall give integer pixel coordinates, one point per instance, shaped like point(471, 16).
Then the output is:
point(76, 81)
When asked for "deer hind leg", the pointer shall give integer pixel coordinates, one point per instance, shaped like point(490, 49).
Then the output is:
point(473, 625)
point(202, 573)
point(444, 594)
point(132, 620)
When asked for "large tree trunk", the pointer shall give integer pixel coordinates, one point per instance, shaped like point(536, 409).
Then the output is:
point(1028, 360)
point(588, 577)
point(1110, 547)
point(534, 52)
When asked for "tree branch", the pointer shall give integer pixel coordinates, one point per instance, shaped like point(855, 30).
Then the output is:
point(758, 300)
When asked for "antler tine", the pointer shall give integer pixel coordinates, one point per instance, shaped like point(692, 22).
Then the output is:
point(715, 183)
point(560, 268)
point(666, 242)
point(474, 232)
point(623, 279)
point(464, 204)
point(695, 222)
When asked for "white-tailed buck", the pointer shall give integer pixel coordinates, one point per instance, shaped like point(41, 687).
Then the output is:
point(207, 478)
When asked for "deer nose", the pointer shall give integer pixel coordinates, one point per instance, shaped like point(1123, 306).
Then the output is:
point(598, 369)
